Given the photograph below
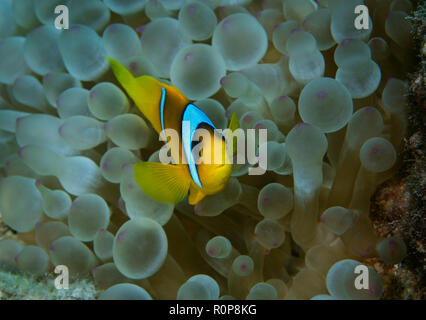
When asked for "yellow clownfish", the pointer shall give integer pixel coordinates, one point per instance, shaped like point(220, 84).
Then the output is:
point(167, 108)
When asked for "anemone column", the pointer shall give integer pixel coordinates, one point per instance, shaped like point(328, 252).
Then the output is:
point(306, 146)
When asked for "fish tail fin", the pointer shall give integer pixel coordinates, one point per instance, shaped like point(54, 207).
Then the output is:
point(234, 124)
point(162, 182)
point(144, 90)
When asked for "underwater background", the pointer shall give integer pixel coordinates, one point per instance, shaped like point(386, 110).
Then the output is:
point(344, 182)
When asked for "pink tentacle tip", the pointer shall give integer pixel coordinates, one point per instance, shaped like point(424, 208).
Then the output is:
point(187, 56)
point(248, 118)
point(120, 236)
point(345, 42)
point(296, 30)
point(222, 81)
point(226, 23)
point(52, 247)
point(73, 205)
point(192, 9)
point(20, 152)
point(92, 93)
point(36, 29)
point(105, 165)
point(321, 95)
point(38, 224)
point(375, 151)
point(16, 81)
point(18, 120)
point(61, 130)
point(265, 200)
point(113, 27)
point(197, 210)
point(133, 66)
point(276, 26)
point(75, 28)
point(140, 29)
point(58, 102)
point(322, 219)
point(301, 125)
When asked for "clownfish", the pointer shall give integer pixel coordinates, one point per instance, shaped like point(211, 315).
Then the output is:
point(167, 108)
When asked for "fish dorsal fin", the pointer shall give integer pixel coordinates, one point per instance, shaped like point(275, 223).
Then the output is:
point(191, 119)
point(144, 90)
point(233, 125)
point(163, 182)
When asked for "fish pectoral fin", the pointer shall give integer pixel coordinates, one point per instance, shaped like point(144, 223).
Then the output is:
point(195, 195)
point(162, 182)
point(233, 125)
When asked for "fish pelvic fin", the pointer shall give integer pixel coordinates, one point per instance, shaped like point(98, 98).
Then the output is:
point(195, 194)
point(163, 182)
